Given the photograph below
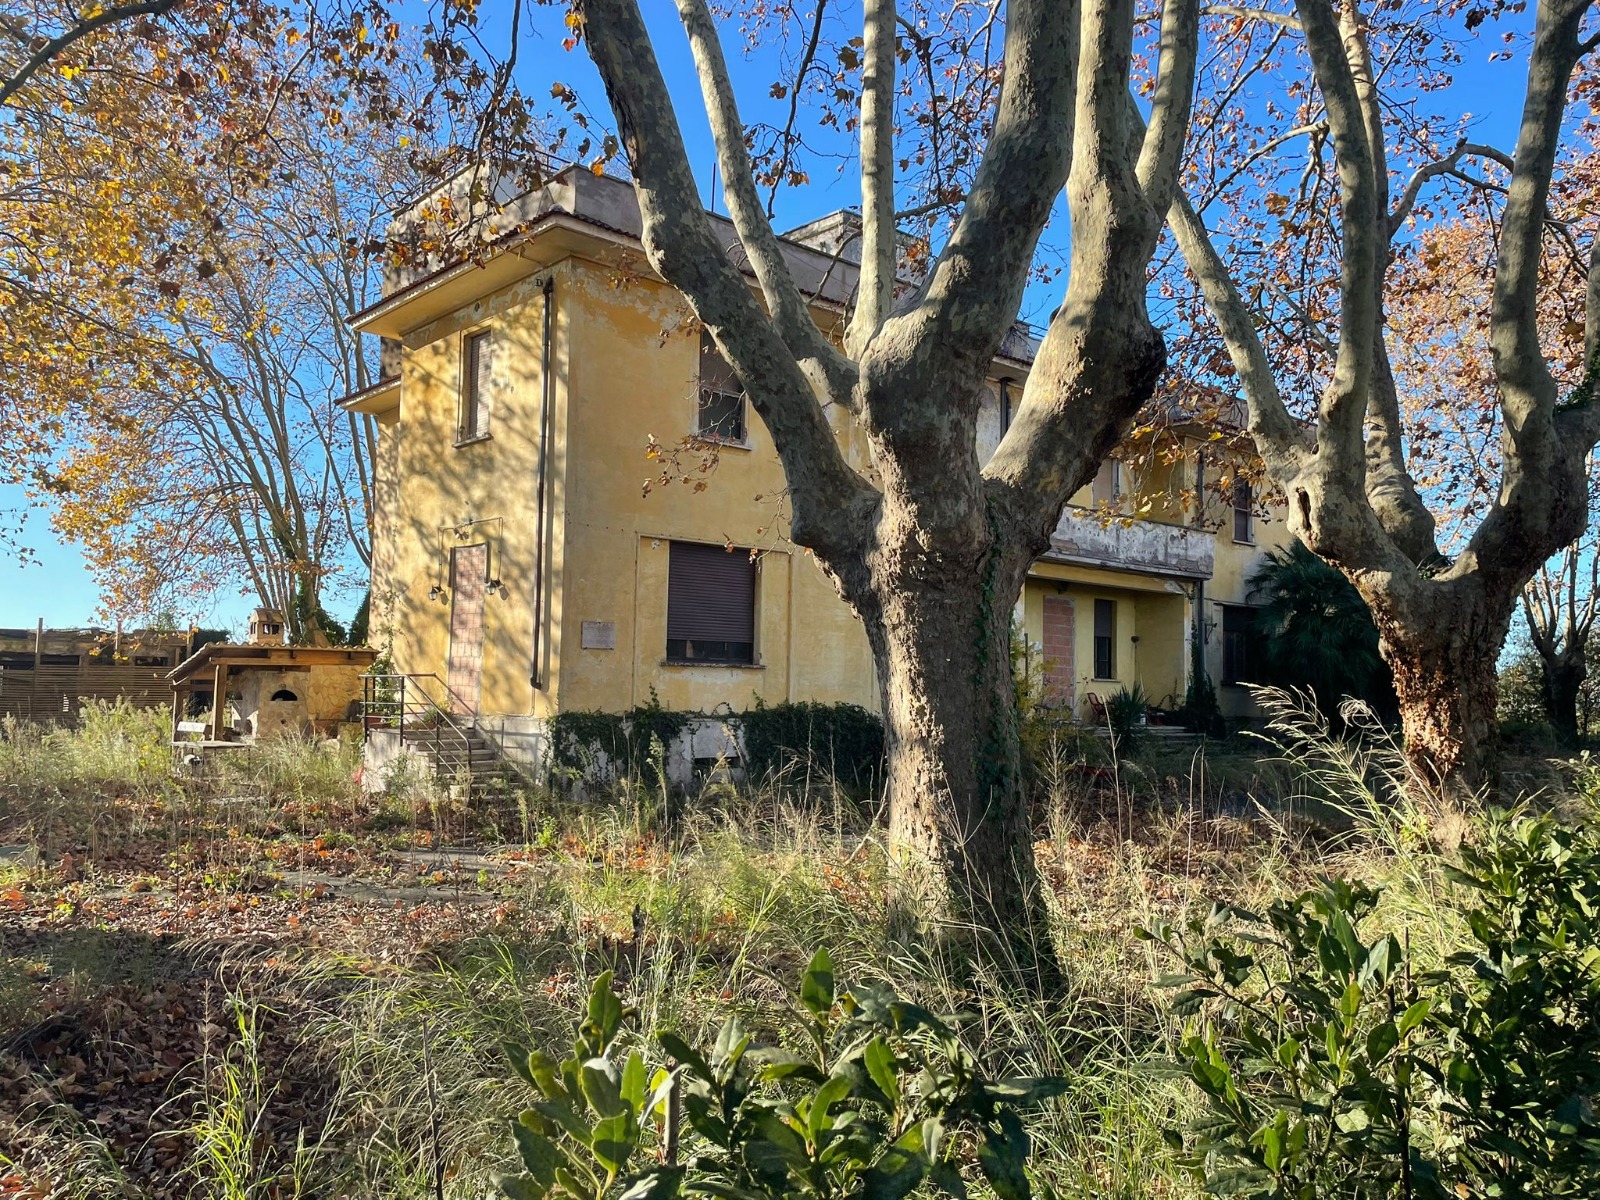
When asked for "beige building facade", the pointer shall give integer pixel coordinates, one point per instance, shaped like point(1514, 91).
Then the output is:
point(576, 510)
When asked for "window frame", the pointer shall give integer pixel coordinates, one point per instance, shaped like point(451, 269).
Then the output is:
point(1115, 481)
point(1244, 512)
point(1108, 607)
point(691, 651)
point(469, 427)
point(714, 376)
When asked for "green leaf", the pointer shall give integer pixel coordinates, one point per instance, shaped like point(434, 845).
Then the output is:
point(565, 1116)
point(686, 1054)
point(633, 1082)
point(880, 1063)
point(613, 1141)
point(660, 1184)
point(518, 1057)
point(947, 1179)
point(1383, 1039)
point(1025, 1090)
point(818, 1120)
point(898, 1170)
point(600, 1088)
point(519, 1187)
point(539, 1154)
point(1415, 1015)
point(1003, 1155)
point(605, 1015)
point(816, 985)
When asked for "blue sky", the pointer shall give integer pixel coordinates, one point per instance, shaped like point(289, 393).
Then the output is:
point(58, 587)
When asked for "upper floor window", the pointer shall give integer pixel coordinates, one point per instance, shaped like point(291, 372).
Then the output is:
point(1244, 512)
point(711, 604)
point(1107, 485)
point(1105, 639)
point(721, 408)
point(476, 388)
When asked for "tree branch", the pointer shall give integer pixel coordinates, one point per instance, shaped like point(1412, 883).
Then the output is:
point(790, 313)
point(53, 47)
point(1528, 390)
point(1161, 150)
point(974, 288)
point(1344, 402)
point(1246, 13)
point(1591, 309)
point(879, 256)
point(1440, 166)
point(682, 247)
point(1276, 435)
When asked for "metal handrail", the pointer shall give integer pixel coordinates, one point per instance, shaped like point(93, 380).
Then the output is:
point(405, 712)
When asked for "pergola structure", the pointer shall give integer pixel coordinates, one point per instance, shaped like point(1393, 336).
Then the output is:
point(211, 667)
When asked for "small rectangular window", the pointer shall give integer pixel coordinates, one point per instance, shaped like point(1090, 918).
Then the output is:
point(711, 604)
point(1107, 486)
point(1105, 639)
point(1244, 513)
point(1238, 638)
point(477, 389)
point(721, 408)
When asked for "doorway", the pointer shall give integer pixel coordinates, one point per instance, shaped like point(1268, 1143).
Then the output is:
point(469, 572)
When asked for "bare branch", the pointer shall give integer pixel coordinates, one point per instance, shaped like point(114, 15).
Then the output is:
point(875, 292)
point(1246, 13)
point(1161, 151)
point(1274, 430)
point(789, 310)
point(53, 47)
point(975, 287)
point(1433, 170)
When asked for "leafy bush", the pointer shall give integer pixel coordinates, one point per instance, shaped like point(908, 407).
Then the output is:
point(589, 744)
point(844, 739)
point(1332, 1067)
point(1125, 711)
point(884, 1098)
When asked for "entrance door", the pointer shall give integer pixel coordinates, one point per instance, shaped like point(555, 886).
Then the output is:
point(1060, 633)
point(469, 571)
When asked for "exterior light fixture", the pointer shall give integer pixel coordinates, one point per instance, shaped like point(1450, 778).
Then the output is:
point(436, 592)
point(493, 586)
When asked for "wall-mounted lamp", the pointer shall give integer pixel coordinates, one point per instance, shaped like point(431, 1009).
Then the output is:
point(493, 587)
point(436, 592)
point(1206, 627)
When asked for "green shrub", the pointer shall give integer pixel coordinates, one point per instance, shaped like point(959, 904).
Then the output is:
point(844, 740)
point(882, 1098)
point(634, 743)
point(1125, 710)
point(1332, 1066)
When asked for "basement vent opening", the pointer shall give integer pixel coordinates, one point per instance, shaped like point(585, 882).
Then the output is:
point(284, 694)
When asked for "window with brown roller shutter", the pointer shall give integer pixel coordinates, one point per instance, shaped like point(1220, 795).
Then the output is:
point(711, 604)
point(477, 389)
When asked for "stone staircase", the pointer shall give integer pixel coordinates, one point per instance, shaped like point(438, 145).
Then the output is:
point(461, 757)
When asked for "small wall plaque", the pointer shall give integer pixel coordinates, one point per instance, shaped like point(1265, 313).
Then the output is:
point(599, 635)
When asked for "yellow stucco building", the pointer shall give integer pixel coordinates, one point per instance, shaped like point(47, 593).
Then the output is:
point(532, 557)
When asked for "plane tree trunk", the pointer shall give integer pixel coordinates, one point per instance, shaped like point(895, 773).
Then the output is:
point(1443, 645)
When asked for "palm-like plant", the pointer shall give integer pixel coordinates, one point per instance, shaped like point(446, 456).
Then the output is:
point(1316, 631)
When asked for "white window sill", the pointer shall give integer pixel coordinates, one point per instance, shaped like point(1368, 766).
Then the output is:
point(474, 440)
point(712, 439)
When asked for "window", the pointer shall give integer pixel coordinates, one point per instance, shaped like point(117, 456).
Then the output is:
point(1238, 639)
point(721, 411)
point(1105, 639)
point(151, 660)
point(1244, 512)
point(477, 367)
point(711, 604)
point(1107, 485)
